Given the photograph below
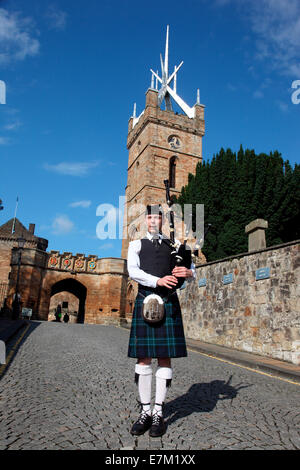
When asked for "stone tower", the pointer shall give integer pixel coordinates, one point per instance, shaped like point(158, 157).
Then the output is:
point(162, 144)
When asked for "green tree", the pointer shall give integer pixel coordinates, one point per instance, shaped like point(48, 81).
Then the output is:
point(237, 188)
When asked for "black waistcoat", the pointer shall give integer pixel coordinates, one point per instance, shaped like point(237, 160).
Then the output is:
point(155, 261)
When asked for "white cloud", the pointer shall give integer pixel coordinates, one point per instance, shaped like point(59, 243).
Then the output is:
point(282, 106)
point(57, 18)
point(106, 246)
point(4, 141)
point(12, 126)
point(221, 3)
point(71, 168)
point(258, 94)
point(46, 132)
point(276, 26)
point(84, 204)
point(16, 38)
point(62, 225)
point(231, 87)
point(10, 111)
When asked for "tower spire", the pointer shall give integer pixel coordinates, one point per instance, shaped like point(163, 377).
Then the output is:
point(166, 92)
point(14, 221)
point(167, 53)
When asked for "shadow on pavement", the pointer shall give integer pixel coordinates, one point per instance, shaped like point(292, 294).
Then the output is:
point(201, 397)
point(14, 343)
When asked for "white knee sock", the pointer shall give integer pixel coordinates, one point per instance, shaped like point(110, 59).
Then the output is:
point(163, 380)
point(143, 376)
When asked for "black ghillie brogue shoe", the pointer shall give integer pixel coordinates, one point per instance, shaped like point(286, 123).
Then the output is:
point(158, 427)
point(142, 424)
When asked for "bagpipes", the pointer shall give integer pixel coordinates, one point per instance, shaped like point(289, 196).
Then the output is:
point(199, 242)
point(182, 255)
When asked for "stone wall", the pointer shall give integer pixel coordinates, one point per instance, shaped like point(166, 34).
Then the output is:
point(5, 254)
point(261, 316)
point(9, 240)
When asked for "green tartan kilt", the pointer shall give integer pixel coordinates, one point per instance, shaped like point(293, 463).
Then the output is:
point(163, 339)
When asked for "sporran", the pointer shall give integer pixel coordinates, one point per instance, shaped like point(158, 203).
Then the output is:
point(153, 310)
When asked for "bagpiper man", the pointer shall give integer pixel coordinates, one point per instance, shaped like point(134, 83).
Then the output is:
point(157, 328)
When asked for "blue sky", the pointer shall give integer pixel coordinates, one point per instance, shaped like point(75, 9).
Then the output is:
point(73, 70)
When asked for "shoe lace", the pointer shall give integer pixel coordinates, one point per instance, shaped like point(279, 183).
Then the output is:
point(143, 417)
point(143, 414)
point(156, 418)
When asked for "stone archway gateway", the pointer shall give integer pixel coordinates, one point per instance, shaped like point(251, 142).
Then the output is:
point(95, 287)
point(71, 295)
point(99, 284)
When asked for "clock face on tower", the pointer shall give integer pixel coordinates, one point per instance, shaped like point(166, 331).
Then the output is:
point(174, 142)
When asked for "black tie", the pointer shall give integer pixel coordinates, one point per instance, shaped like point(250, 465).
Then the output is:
point(155, 240)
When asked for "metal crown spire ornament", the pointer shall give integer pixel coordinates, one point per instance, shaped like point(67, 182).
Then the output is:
point(166, 92)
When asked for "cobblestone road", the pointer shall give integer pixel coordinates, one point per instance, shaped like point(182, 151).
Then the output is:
point(71, 387)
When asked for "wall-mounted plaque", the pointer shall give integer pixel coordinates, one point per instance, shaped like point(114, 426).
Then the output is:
point(92, 264)
point(79, 263)
point(66, 263)
point(53, 261)
point(262, 273)
point(228, 278)
point(202, 282)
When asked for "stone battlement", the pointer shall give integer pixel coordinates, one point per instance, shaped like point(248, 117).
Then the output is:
point(80, 263)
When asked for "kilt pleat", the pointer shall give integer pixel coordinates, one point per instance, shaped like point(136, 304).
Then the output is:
point(163, 339)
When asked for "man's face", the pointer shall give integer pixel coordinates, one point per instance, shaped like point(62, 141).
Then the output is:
point(154, 223)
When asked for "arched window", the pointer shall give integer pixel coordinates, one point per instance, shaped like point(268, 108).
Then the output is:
point(172, 172)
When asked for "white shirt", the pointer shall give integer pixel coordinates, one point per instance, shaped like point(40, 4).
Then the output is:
point(133, 264)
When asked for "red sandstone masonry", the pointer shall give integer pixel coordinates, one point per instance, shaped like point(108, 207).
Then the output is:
point(150, 154)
